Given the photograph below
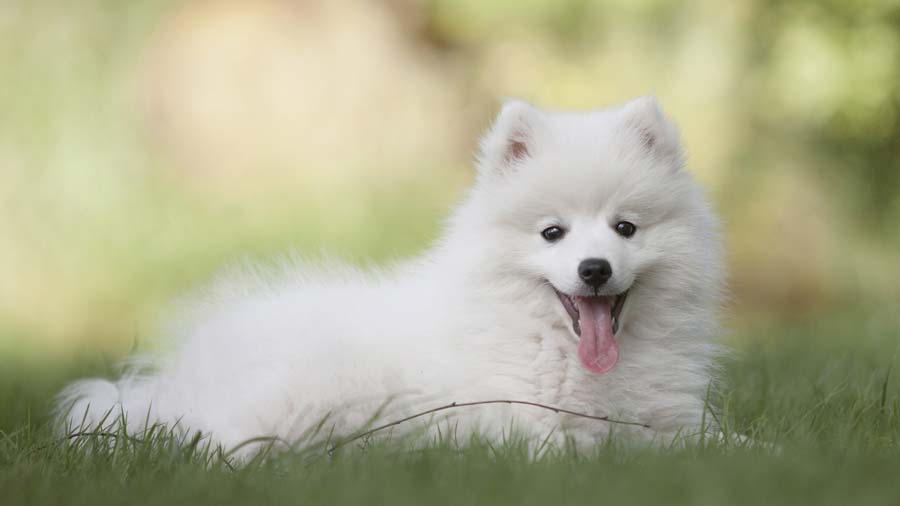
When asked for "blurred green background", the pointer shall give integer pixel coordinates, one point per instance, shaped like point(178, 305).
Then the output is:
point(146, 144)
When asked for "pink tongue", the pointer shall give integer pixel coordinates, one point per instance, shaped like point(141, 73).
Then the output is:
point(597, 348)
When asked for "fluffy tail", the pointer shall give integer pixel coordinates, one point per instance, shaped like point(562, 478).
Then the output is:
point(98, 404)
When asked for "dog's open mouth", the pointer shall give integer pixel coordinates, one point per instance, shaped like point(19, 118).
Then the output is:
point(595, 320)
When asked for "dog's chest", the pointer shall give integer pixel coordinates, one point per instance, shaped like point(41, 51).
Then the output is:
point(555, 367)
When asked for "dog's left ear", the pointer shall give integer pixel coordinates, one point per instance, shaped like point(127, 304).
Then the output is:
point(512, 139)
point(645, 122)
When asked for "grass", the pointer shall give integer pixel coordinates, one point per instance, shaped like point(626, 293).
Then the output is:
point(823, 390)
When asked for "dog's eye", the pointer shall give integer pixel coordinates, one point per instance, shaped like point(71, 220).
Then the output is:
point(625, 228)
point(553, 234)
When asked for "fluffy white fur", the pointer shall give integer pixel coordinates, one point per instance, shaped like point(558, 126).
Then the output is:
point(271, 353)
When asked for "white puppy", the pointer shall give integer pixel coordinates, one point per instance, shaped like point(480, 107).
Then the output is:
point(583, 270)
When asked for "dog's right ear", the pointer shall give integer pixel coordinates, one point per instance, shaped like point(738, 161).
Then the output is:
point(511, 140)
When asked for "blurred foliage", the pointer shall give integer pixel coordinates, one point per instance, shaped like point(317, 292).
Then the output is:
point(145, 144)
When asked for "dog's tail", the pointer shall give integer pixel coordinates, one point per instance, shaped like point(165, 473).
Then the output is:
point(99, 405)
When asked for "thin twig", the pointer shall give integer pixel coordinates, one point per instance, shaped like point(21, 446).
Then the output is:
point(99, 434)
point(74, 435)
point(453, 405)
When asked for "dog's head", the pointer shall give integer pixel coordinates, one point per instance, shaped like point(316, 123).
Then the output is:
point(595, 208)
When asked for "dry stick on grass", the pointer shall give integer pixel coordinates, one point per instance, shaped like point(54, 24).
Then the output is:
point(369, 432)
point(453, 405)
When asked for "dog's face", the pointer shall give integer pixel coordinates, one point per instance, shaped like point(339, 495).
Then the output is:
point(589, 205)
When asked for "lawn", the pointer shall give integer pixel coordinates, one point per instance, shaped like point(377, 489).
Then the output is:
point(820, 389)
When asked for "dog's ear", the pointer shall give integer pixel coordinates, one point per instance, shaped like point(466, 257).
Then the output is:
point(644, 121)
point(512, 138)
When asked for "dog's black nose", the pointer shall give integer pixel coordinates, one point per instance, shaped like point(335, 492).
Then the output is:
point(594, 271)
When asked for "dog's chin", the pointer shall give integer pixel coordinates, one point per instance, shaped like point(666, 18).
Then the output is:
point(595, 320)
